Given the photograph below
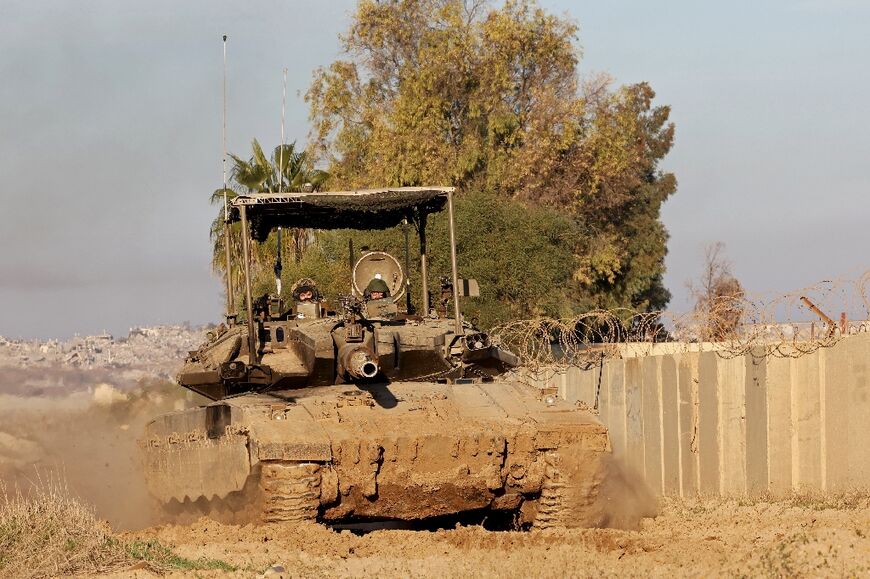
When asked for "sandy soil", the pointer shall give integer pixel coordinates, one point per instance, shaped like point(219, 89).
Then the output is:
point(89, 436)
point(799, 537)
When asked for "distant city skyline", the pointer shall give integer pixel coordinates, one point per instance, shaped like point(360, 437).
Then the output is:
point(111, 141)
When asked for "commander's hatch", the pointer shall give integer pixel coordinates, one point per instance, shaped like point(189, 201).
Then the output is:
point(379, 265)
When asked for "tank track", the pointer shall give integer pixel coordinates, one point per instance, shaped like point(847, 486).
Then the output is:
point(290, 491)
point(567, 501)
point(552, 508)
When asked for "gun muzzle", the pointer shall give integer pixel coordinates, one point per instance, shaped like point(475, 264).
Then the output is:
point(359, 362)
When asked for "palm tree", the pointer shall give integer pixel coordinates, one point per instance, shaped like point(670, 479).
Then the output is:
point(218, 235)
point(288, 170)
point(255, 173)
point(294, 171)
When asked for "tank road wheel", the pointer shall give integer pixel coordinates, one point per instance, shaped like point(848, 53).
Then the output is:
point(291, 491)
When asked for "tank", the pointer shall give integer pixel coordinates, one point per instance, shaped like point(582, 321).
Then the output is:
point(362, 410)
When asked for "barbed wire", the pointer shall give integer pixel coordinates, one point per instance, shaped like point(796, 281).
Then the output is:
point(786, 325)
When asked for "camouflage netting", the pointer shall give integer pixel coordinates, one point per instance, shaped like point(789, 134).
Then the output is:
point(375, 209)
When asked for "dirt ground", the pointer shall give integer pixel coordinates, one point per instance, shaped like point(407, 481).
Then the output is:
point(801, 536)
point(89, 436)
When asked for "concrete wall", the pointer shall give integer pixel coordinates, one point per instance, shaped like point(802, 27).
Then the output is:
point(696, 422)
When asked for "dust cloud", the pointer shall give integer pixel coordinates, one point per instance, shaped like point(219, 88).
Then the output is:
point(624, 498)
point(87, 437)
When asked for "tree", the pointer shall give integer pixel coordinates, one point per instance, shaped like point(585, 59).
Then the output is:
point(718, 297)
point(522, 259)
point(287, 170)
point(488, 99)
point(441, 90)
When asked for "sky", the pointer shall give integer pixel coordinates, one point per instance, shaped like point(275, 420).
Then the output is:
point(110, 140)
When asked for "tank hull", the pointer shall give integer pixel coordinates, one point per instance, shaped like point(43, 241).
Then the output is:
point(398, 451)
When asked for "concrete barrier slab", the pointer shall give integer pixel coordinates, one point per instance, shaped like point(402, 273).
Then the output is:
point(806, 410)
point(708, 424)
point(756, 424)
point(634, 447)
point(857, 352)
point(780, 426)
point(731, 378)
point(651, 394)
point(700, 423)
point(837, 417)
point(688, 423)
point(616, 411)
point(859, 408)
point(670, 425)
point(589, 385)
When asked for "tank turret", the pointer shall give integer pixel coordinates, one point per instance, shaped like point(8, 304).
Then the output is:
point(368, 335)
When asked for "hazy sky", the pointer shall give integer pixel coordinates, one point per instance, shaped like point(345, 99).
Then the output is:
point(110, 139)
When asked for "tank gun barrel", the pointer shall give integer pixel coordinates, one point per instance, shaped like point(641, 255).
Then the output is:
point(359, 361)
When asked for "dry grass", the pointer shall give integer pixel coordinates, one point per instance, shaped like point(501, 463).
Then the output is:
point(848, 500)
point(47, 532)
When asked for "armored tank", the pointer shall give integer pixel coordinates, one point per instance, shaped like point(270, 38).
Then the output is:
point(360, 409)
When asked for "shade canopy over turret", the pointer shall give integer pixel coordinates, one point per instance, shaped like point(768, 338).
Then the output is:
point(363, 209)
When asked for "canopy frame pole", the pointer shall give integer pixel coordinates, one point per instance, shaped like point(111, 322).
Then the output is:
point(231, 299)
point(457, 322)
point(409, 306)
point(231, 306)
point(424, 266)
point(351, 260)
point(252, 339)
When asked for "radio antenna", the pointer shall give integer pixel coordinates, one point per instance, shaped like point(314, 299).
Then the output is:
point(224, 133)
point(278, 265)
point(281, 159)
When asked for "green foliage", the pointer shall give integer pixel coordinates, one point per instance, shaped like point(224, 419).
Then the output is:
point(487, 98)
point(520, 255)
point(440, 90)
point(624, 243)
point(160, 556)
point(287, 170)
